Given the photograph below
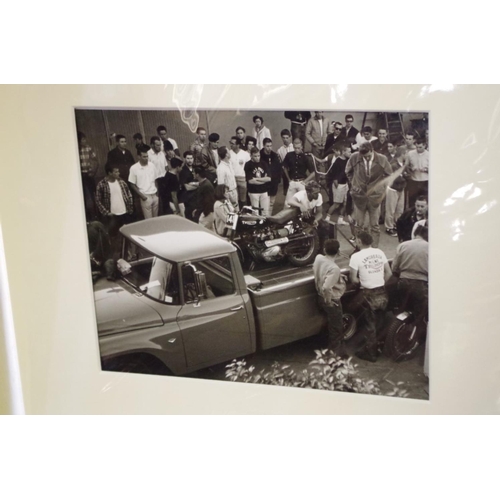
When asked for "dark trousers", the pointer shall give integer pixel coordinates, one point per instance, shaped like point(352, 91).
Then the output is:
point(415, 294)
point(374, 304)
point(113, 223)
point(89, 197)
point(414, 189)
point(298, 132)
point(335, 325)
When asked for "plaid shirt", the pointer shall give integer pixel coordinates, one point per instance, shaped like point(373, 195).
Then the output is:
point(87, 159)
point(103, 197)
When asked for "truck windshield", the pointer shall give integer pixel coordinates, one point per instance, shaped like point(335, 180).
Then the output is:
point(152, 276)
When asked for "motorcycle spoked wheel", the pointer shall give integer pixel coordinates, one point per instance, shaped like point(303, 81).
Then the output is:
point(307, 253)
point(403, 339)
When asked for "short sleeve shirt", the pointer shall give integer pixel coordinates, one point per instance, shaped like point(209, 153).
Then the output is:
point(253, 171)
point(225, 176)
point(302, 198)
point(144, 177)
point(238, 162)
point(369, 263)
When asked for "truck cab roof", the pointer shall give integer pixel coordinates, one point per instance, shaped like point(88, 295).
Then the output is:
point(176, 239)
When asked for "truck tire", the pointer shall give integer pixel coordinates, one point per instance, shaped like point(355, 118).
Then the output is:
point(309, 254)
point(402, 340)
point(136, 363)
point(350, 325)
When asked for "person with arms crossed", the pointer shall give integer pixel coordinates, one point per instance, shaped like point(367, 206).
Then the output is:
point(370, 269)
point(258, 179)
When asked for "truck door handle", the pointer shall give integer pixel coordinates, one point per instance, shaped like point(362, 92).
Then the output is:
point(236, 308)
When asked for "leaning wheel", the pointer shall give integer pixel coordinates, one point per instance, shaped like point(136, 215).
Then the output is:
point(350, 325)
point(402, 340)
point(306, 254)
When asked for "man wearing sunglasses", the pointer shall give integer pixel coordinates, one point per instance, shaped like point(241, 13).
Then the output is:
point(334, 137)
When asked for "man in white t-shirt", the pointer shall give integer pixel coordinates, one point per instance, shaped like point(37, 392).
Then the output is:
point(309, 201)
point(143, 181)
point(238, 159)
point(225, 176)
point(370, 269)
point(156, 155)
point(115, 203)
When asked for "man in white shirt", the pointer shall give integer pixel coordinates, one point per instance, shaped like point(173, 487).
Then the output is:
point(309, 201)
point(238, 158)
point(370, 269)
point(143, 181)
point(286, 137)
point(156, 155)
point(225, 176)
point(417, 165)
point(161, 130)
point(364, 136)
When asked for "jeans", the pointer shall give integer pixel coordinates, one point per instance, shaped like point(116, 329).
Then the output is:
point(415, 294)
point(374, 304)
point(394, 207)
point(260, 200)
point(373, 214)
point(150, 206)
point(334, 314)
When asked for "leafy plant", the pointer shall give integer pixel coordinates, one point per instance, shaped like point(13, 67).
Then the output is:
point(328, 372)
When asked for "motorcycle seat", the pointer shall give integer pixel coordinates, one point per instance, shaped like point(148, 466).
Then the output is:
point(284, 215)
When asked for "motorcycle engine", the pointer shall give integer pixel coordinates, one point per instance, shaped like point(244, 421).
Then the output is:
point(271, 254)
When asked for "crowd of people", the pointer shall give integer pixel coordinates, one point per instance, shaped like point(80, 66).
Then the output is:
point(368, 180)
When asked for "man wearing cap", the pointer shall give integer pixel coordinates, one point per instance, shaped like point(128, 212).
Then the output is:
point(330, 286)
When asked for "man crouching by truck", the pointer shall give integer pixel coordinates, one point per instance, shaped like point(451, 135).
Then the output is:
point(330, 286)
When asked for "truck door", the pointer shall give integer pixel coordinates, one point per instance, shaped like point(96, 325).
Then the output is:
point(213, 323)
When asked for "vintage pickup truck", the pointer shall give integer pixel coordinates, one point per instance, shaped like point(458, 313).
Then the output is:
point(183, 303)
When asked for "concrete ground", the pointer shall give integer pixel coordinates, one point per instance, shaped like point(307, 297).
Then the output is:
point(299, 354)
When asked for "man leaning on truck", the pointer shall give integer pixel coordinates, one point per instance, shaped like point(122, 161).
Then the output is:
point(330, 286)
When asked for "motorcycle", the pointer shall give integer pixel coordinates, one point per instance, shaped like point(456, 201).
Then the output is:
point(405, 331)
point(286, 235)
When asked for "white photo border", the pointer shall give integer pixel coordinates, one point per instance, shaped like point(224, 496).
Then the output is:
point(43, 224)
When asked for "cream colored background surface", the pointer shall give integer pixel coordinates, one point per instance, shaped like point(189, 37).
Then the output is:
point(45, 238)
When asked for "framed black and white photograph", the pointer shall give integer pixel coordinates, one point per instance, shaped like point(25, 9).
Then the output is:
point(285, 248)
point(139, 301)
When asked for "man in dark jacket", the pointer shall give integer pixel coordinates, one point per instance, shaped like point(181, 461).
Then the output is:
point(406, 222)
point(368, 174)
point(298, 122)
point(205, 199)
point(272, 160)
point(349, 131)
point(121, 157)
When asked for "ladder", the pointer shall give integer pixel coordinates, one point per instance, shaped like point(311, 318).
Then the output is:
point(392, 122)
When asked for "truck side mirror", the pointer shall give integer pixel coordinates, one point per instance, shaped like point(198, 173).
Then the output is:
point(200, 282)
